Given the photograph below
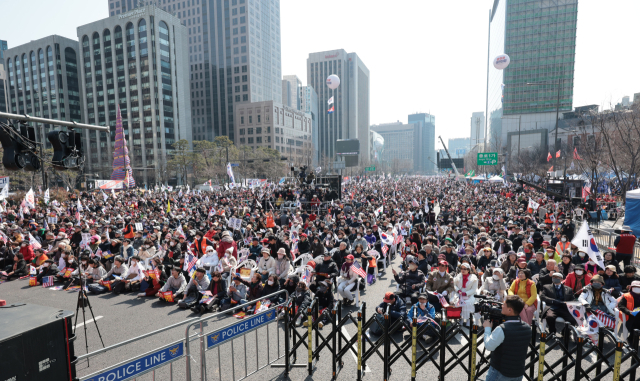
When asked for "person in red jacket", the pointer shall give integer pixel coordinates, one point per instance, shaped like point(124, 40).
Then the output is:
point(27, 251)
point(624, 245)
point(578, 279)
point(226, 241)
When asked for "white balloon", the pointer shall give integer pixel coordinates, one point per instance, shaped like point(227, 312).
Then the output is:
point(333, 81)
point(501, 62)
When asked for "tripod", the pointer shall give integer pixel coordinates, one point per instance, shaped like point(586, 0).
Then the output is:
point(83, 301)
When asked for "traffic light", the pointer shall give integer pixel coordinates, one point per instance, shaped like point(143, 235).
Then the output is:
point(67, 149)
point(19, 147)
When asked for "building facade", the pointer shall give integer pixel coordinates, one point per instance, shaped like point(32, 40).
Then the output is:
point(135, 61)
point(309, 104)
point(397, 154)
point(3, 77)
point(3, 46)
point(273, 125)
point(233, 56)
point(350, 101)
point(425, 139)
point(458, 147)
point(291, 91)
point(540, 38)
point(477, 129)
point(43, 81)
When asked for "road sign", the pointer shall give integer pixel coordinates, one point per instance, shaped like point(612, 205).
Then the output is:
point(339, 165)
point(370, 169)
point(235, 164)
point(488, 158)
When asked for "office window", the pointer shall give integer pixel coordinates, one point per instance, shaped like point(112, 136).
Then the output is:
point(242, 120)
point(258, 130)
point(259, 140)
point(249, 140)
point(241, 131)
point(250, 119)
point(249, 131)
point(245, 97)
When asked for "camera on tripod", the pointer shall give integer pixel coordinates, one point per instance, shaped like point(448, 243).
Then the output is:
point(490, 309)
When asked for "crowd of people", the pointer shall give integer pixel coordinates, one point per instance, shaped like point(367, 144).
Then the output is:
point(455, 240)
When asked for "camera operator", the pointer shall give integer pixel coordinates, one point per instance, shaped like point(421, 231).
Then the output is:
point(509, 343)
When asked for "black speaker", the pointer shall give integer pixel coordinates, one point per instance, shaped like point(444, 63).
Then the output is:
point(36, 343)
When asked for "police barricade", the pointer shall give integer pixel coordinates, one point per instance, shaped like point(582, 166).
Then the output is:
point(240, 349)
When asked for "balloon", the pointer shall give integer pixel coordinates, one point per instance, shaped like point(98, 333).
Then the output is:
point(333, 81)
point(501, 62)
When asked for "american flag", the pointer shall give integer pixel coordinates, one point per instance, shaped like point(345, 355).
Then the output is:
point(191, 263)
point(606, 319)
point(384, 250)
point(358, 269)
point(398, 239)
point(294, 250)
point(47, 281)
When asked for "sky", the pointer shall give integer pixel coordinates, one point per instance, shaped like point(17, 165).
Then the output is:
point(423, 55)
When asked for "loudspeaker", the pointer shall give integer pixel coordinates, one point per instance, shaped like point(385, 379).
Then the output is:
point(36, 343)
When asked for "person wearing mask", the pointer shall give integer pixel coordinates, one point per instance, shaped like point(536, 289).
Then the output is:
point(347, 280)
point(580, 258)
point(325, 304)
point(563, 245)
point(26, 249)
point(511, 261)
point(176, 283)
point(610, 260)
point(394, 306)
point(627, 303)
point(596, 298)
point(131, 279)
point(266, 264)
point(227, 242)
point(555, 296)
point(228, 262)
point(360, 240)
point(525, 288)
point(49, 268)
point(509, 343)
point(466, 286)
point(276, 244)
point(271, 286)
point(301, 301)
point(629, 277)
point(291, 283)
point(578, 279)
point(440, 281)
point(209, 260)
point(537, 264)
point(317, 249)
point(327, 271)
point(521, 264)
point(612, 281)
point(495, 285)
point(422, 311)
point(281, 264)
point(486, 256)
point(566, 266)
point(126, 250)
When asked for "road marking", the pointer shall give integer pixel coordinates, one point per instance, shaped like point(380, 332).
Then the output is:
point(88, 321)
point(353, 354)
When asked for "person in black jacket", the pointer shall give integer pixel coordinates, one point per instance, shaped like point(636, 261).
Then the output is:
point(396, 308)
point(423, 265)
point(410, 281)
point(17, 269)
point(291, 283)
point(218, 289)
point(303, 245)
point(275, 244)
point(485, 258)
point(49, 268)
point(325, 304)
point(271, 286)
point(629, 277)
point(326, 270)
point(555, 295)
point(301, 300)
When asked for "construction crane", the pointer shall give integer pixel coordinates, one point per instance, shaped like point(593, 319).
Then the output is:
point(447, 151)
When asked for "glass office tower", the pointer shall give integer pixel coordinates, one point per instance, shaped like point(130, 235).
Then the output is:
point(540, 38)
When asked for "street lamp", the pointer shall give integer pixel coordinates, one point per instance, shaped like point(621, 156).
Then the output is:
point(560, 84)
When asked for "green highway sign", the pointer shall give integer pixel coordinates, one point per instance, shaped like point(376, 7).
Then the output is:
point(488, 158)
point(369, 169)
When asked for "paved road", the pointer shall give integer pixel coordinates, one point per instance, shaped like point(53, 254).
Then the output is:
point(125, 316)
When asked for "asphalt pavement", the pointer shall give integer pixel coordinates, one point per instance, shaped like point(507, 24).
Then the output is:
point(126, 316)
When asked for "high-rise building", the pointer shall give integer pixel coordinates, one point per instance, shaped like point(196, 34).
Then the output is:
point(425, 139)
point(137, 61)
point(309, 104)
point(458, 147)
point(290, 91)
point(234, 56)
point(540, 38)
point(3, 46)
point(397, 153)
point(350, 116)
point(3, 77)
point(273, 125)
point(477, 129)
point(44, 81)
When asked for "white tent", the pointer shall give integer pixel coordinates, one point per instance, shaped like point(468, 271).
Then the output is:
point(479, 177)
point(496, 179)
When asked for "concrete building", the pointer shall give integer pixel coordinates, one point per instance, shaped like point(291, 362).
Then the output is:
point(425, 139)
point(137, 61)
point(458, 147)
point(272, 125)
point(233, 56)
point(398, 146)
point(44, 81)
point(3, 46)
point(3, 77)
point(350, 116)
point(540, 38)
point(291, 91)
point(477, 129)
point(309, 104)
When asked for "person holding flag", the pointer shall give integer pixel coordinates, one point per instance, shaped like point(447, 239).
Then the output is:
point(347, 280)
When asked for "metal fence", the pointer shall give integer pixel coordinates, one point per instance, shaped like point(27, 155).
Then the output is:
point(606, 239)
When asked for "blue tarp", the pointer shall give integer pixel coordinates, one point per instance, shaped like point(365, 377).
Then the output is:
point(632, 211)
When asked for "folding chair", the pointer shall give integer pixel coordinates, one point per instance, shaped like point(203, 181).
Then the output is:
point(302, 260)
point(246, 264)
